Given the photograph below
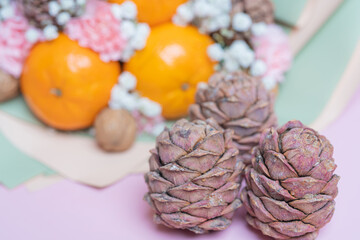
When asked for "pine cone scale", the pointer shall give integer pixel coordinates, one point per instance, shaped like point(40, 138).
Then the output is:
point(281, 210)
point(312, 204)
point(293, 228)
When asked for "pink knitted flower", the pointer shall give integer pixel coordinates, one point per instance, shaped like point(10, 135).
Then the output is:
point(98, 30)
point(146, 124)
point(14, 47)
point(274, 49)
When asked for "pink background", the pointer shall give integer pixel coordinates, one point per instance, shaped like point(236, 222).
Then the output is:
point(69, 210)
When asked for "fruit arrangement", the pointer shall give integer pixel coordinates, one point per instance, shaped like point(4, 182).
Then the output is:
point(124, 67)
point(164, 64)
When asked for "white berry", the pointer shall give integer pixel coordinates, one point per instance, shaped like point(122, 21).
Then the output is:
point(127, 80)
point(149, 108)
point(51, 32)
point(246, 58)
point(128, 29)
point(7, 12)
point(157, 129)
point(269, 82)
point(258, 68)
point(116, 10)
point(241, 22)
point(139, 40)
point(129, 10)
point(259, 29)
point(54, 8)
point(215, 52)
point(63, 18)
point(230, 64)
point(185, 12)
point(67, 4)
point(32, 35)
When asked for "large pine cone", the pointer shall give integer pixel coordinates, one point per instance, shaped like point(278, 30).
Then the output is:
point(238, 102)
point(291, 186)
point(37, 12)
point(194, 177)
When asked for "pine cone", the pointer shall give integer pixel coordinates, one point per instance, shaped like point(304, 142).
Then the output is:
point(194, 177)
point(291, 186)
point(37, 12)
point(238, 102)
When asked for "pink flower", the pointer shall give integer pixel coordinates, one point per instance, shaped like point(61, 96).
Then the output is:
point(146, 124)
point(274, 49)
point(98, 30)
point(14, 47)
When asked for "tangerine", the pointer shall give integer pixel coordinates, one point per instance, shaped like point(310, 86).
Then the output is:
point(171, 65)
point(66, 85)
point(155, 12)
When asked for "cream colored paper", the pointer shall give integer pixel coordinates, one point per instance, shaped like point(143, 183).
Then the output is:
point(75, 157)
point(315, 14)
point(347, 86)
point(40, 182)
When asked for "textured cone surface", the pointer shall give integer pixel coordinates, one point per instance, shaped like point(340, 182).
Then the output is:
point(194, 177)
point(238, 102)
point(290, 185)
point(37, 12)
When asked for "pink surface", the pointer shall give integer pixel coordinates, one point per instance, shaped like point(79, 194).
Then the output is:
point(71, 211)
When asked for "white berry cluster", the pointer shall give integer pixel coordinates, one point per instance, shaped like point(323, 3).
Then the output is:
point(6, 10)
point(62, 11)
point(237, 56)
point(210, 15)
point(124, 96)
point(135, 33)
point(215, 15)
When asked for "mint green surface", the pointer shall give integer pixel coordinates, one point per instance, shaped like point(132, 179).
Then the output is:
point(17, 108)
point(16, 167)
point(319, 66)
point(289, 10)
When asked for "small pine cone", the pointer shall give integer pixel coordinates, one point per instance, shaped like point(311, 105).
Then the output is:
point(38, 14)
point(194, 177)
point(291, 186)
point(238, 102)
